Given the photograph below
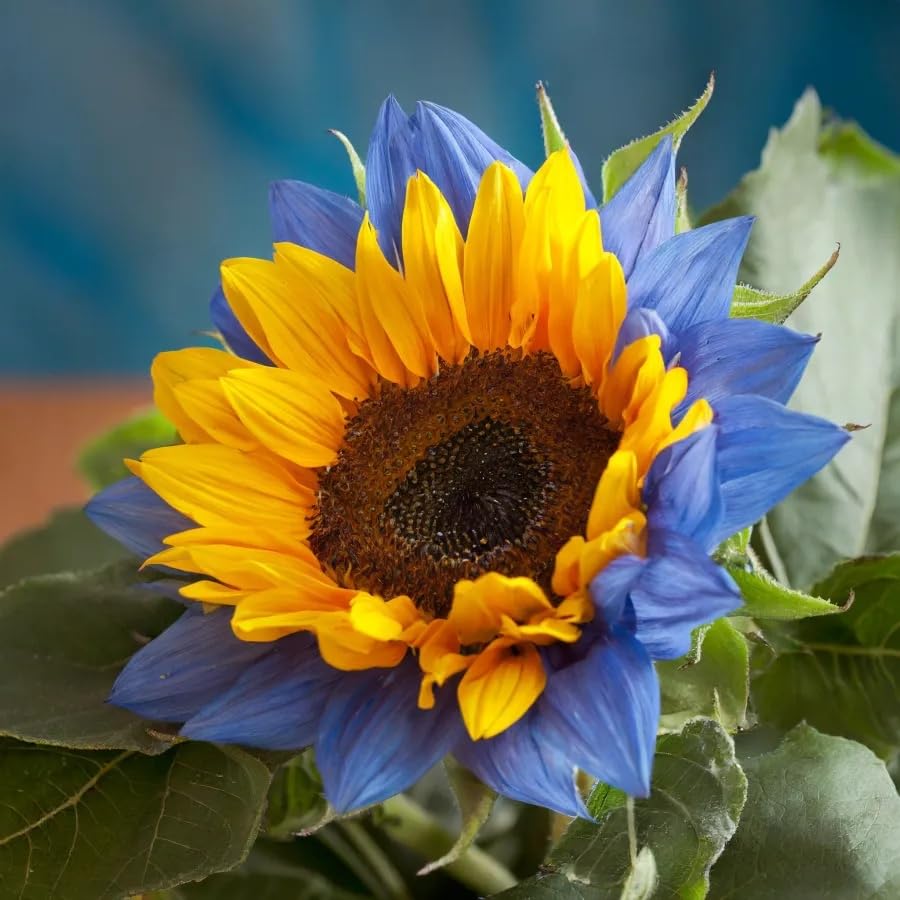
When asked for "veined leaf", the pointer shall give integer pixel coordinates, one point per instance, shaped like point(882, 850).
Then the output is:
point(817, 187)
point(841, 673)
point(693, 810)
point(822, 819)
point(765, 598)
point(101, 825)
point(63, 640)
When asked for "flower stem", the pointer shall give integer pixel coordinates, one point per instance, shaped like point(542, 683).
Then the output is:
point(408, 824)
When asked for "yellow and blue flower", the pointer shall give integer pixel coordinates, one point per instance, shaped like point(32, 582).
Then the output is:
point(454, 480)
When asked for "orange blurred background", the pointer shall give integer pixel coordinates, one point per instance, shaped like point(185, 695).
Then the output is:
point(45, 426)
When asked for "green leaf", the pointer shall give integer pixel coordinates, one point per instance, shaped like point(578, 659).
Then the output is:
point(822, 819)
point(63, 640)
point(297, 800)
point(101, 825)
point(101, 461)
point(554, 138)
point(816, 188)
point(303, 870)
point(765, 598)
point(842, 673)
point(356, 165)
point(624, 162)
point(69, 541)
point(713, 683)
point(698, 792)
point(753, 303)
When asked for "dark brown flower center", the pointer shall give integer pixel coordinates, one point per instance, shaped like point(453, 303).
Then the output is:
point(488, 466)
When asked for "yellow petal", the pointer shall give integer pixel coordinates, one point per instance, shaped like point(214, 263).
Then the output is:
point(600, 309)
point(617, 493)
point(305, 333)
point(627, 536)
point(478, 605)
point(343, 647)
point(205, 402)
point(698, 416)
point(292, 415)
point(273, 614)
point(624, 388)
point(212, 593)
point(654, 421)
point(217, 485)
point(566, 572)
point(574, 261)
point(383, 620)
point(175, 367)
point(425, 262)
point(500, 687)
point(491, 256)
point(393, 320)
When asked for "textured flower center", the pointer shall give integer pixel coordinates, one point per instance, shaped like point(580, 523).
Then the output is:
point(488, 466)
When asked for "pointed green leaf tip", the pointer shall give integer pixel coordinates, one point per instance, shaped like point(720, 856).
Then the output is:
point(356, 165)
point(623, 163)
point(753, 303)
point(554, 138)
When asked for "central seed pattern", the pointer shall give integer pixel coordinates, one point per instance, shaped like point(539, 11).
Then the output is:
point(488, 466)
point(478, 490)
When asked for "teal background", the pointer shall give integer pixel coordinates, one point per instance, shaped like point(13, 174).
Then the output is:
point(138, 138)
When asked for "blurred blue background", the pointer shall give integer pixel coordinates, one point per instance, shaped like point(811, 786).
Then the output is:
point(140, 135)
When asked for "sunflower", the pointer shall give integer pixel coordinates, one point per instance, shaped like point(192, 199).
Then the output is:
point(454, 480)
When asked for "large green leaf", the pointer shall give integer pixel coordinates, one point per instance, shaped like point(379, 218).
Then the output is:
point(302, 870)
point(713, 681)
point(822, 819)
point(101, 461)
point(842, 673)
point(68, 542)
point(101, 825)
point(816, 188)
point(63, 640)
point(698, 792)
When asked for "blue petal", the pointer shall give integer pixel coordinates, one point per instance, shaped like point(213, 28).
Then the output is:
point(187, 666)
point(389, 166)
point(373, 739)
point(315, 218)
point(234, 334)
point(519, 765)
point(609, 590)
point(640, 322)
point(691, 277)
point(605, 711)
point(275, 704)
point(679, 588)
point(682, 490)
point(641, 216)
point(135, 516)
point(454, 153)
point(765, 451)
point(742, 356)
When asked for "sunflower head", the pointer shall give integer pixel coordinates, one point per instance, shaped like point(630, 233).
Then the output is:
point(469, 448)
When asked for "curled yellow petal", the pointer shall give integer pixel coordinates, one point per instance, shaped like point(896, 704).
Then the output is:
point(500, 687)
point(479, 605)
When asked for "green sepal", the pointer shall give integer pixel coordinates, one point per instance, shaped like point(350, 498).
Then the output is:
point(554, 138)
point(752, 303)
point(356, 165)
point(475, 800)
point(765, 598)
point(624, 162)
point(101, 461)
